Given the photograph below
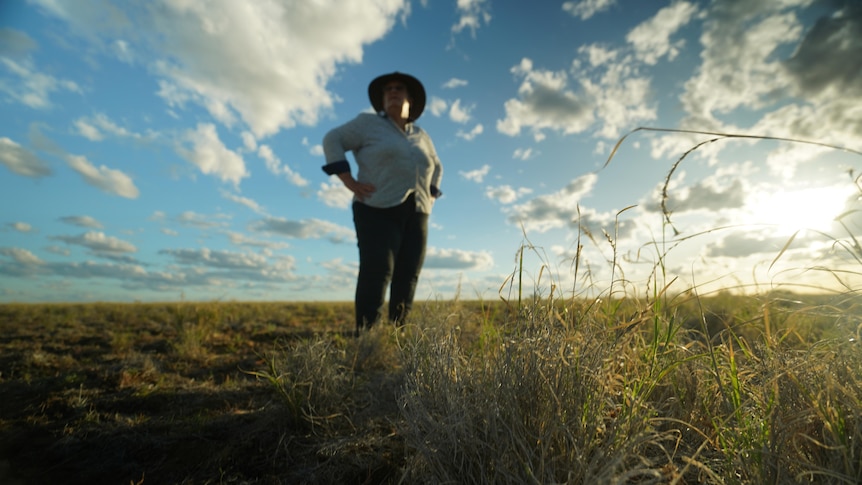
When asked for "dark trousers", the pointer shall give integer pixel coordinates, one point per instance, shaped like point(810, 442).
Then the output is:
point(391, 250)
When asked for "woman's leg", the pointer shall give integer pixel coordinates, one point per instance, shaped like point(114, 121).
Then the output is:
point(378, 235)
point(408, 264)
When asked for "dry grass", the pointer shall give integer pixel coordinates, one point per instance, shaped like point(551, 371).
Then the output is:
point(470, 392)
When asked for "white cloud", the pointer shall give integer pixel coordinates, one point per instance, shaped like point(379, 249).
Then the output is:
point(709, 194)
point(274, 165)
point(99, 243)
point(217, 259)
point(437, 106)
point(477, 175)
point(620, 98)
point(22, 161)
point(211, 156)
point(739, 68)
point(523, 153)
point(455, 83)
point(439, 258)
point(281, 53)
point(32, 88)
point(754, 57)
point(82, 221)
point(58, 250)
point(553, 210)
point(244, 201)
point(472, 14)
point(200, 221)
point(21, 256)
point(470, 135)
point(243, 240)
point(249, 141)
point(587, 8)
point(651, 39)
point(95, 127)
point(108, 180)
point(545, 103)
point(459, 114)
point(505, 194)
point(20, 227)
point(598, 55)
point(335, 194)
point(304, 229)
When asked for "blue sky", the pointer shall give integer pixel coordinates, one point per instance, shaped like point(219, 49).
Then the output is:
point(167, 149)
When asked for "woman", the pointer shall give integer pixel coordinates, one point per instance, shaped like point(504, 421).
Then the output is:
point(397, 181)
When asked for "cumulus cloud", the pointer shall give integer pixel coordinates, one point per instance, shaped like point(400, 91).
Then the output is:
point(740, 51)
point(523, 153)
point(304, 229)
point(281, 53)
point(244, 201)
point(21, 256)
point(439, 258)
point(455, 83)
point(20, 227)
point(30, 87)
point(99, 243)
point(217, 259)
point(472, 14)
point(651, 39)
point(744, 244)
point(96, 127)
point(472, 134)
point(335, 194)
point(595, 222)
point(477, 175)
point(584, 9)
point(554, 210)
point(106, 179)
point(506, 194)
point(458, 113)
point(437, 106)
point(707, 195)
point(753, 58)
point(82, 221)
point(240, 239)
point(822, 65)
point(215, 270)
point(620, 98)
point(199, 221)
point(22, 161)
point(605, 90)
point(204, 149)
point(545, 103)
point(274, 165)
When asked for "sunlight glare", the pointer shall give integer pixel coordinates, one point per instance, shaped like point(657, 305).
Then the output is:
point(791, 211)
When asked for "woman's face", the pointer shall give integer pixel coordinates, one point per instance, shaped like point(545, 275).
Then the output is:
point(396, 99)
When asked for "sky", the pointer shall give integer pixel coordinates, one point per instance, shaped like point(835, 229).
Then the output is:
point(167, 150)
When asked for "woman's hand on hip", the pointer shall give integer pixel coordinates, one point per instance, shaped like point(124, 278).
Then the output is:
point(361, 190)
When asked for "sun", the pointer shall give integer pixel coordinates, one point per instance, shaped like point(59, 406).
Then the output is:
point(790, 211)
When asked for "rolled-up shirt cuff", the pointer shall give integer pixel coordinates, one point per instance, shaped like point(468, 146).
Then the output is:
point(336, 168)
point(435, 192)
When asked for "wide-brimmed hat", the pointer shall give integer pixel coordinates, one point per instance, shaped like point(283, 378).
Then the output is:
point(414, 89)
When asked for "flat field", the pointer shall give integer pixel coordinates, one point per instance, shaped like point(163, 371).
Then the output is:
point(726, 390)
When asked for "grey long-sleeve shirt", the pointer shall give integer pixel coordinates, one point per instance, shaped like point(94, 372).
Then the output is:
point(396, 162)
